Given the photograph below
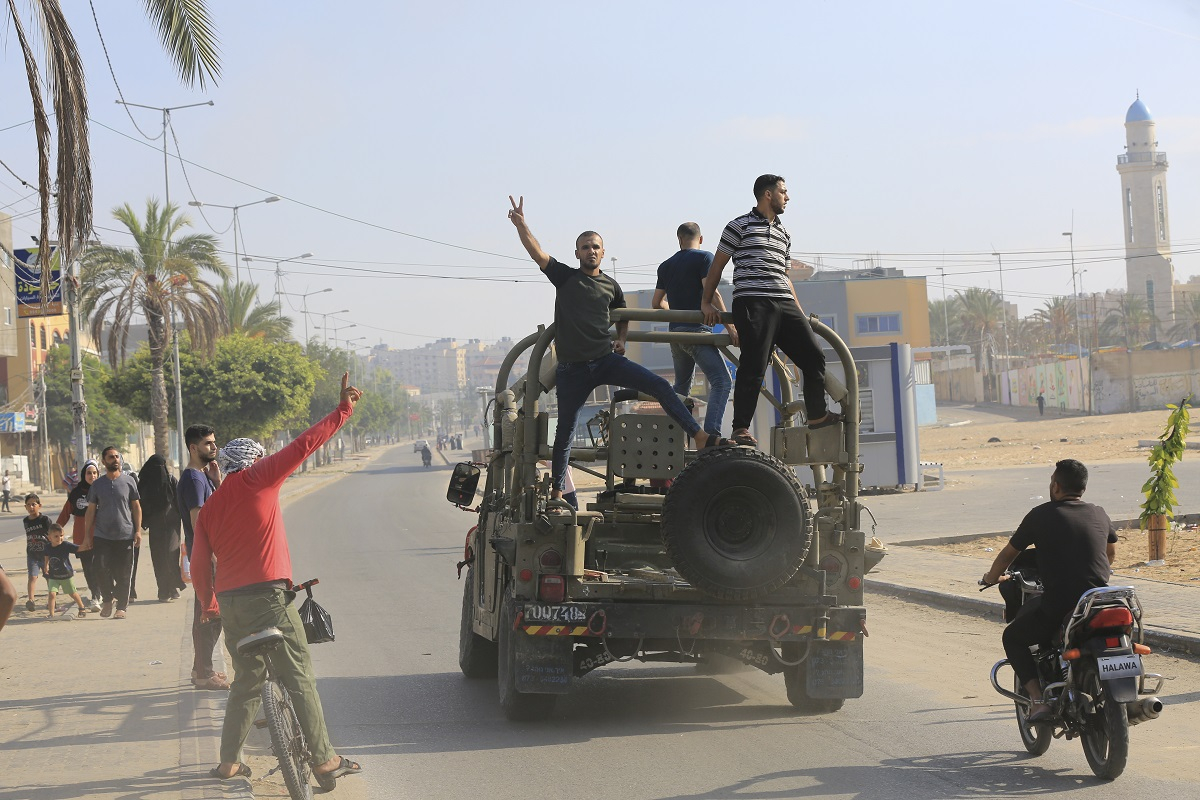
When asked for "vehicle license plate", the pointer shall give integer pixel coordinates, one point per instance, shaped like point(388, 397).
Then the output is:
point(1119, 666)
point(566, 615)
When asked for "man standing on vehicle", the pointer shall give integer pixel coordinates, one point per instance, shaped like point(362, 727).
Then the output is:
point(112, 528)
point(765, 308)
point(587, 356)
point(680, 287)
point(242, 525)
point(1076, 544)
point(196, 485)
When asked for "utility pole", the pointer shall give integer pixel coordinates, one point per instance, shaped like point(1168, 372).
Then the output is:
point(78, 406)
point(946, 332)
point(1083, 388)
point(1004, 323)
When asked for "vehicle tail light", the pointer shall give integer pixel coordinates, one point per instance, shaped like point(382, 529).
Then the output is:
point(1141, 649)
point(550, 559)
point(552, 588)
point(854, 583)
point(525, 575)
point(1115, 617)
point(832, 565)
point(1072, 654)
point(1112, 641)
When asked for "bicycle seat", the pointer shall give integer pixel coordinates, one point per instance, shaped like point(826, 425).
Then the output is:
point(258, 643)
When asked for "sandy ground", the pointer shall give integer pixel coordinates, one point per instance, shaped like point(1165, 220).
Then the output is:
point(1182, 561)
point(960, 439)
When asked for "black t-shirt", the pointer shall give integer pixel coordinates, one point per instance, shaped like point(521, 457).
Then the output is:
point(581, 309)
point(35, 534)
point(60, 559)
point(1072, 540)
point(682, 277)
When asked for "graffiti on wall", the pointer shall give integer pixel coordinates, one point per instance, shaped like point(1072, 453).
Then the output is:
point(1155, 391)
point(1059, 382)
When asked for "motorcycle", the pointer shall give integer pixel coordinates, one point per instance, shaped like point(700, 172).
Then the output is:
point(426, 458)
point(1091, 677)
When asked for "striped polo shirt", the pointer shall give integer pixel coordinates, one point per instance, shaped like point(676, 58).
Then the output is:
point(760, 251)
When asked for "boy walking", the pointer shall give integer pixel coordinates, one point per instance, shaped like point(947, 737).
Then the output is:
point(60, 574)
point(37, 525)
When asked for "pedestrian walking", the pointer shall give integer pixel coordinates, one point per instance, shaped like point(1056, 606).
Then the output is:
point(587, 355)
point(160, 516)
point(37, 525)
point(76, 508)
point(680, 287)
point(1041, 401)
point(5, 491)
point(765, 308)
point(113, 528)
point(196, 485)
point(60, 574)
point(242, 525)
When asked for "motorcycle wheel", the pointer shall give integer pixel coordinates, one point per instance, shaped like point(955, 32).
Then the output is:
point(1036, 738)
point(1105, 734)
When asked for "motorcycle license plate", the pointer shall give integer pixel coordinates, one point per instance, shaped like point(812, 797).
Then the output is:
point(1119, 666)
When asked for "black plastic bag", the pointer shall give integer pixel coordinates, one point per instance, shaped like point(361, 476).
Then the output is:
point(318, 625)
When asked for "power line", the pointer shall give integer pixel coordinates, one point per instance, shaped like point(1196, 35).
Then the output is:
point(113, 72)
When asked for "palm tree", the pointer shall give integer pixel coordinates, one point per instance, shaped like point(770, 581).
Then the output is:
point(1058, 318)
point(159, 278)
point(186, 31)
point(1187, 318)
point(980, 313)
point(244, 313)
point(1127, 320)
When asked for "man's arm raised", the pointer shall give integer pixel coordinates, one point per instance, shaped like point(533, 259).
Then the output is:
point(517, 215)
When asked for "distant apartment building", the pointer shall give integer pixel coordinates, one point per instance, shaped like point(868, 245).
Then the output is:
point(446, 365)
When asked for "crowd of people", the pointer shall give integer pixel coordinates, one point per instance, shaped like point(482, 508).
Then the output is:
point(225, 503)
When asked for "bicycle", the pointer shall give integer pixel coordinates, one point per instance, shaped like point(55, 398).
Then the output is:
point(287, 738)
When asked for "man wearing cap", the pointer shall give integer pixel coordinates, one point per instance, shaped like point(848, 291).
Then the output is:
point(242, 525)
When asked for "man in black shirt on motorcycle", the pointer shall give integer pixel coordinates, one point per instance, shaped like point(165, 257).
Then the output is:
point(1075, 543)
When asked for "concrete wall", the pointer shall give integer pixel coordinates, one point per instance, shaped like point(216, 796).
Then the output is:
point(1144, 380)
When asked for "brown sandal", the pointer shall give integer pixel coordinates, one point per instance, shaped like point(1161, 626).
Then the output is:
point(742, 437)
point(213, 682)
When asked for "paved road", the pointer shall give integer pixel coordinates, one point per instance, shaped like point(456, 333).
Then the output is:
point(384, 544)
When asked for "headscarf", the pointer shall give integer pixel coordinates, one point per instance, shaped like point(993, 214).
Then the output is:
point(238, 454)
point(81, 489)
point(155, 486)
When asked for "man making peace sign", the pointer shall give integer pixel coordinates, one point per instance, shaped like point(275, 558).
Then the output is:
point(587, 356)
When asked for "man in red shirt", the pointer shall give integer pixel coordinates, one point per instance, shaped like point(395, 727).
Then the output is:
point(242, 525)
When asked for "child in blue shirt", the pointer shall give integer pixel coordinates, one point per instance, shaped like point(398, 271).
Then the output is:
point(60, 574)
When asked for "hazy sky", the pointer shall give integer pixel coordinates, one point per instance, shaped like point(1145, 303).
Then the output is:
point(929, 133)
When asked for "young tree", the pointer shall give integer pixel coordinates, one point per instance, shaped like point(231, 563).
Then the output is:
point(249, 387)
point(108, 423)
point(159, 278)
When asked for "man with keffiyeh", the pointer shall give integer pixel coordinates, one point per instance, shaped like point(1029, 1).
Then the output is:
point(242, 525)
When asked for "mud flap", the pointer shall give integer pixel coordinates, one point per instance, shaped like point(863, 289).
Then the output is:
point(543, 663)
point(1123, 690)
point(835, 670)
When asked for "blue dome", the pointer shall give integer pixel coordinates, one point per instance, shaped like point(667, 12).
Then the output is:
point(1138, 112)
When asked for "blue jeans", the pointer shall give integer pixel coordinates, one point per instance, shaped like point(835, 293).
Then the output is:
point(578, 379)
point(712, 364)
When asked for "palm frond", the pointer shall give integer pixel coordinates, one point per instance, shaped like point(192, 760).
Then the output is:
point(189, 37)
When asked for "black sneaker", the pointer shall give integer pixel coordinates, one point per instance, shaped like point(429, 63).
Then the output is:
point(29, 606)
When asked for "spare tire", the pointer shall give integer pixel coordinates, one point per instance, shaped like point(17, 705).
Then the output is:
point(736, 523)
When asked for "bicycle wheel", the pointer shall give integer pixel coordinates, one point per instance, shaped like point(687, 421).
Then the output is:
point(287, 740)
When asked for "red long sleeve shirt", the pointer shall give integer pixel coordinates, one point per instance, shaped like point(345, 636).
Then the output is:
point(242, 523)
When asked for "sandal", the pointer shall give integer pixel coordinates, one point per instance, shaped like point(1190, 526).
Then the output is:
point(242, 771)
point(831, 418)
point(328, 780)
point(214, 682)
point(714, 441)
point(197, 674)
point(119, 615)
point(742, 437)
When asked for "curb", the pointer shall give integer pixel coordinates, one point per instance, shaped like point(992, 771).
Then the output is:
point(1165, 640)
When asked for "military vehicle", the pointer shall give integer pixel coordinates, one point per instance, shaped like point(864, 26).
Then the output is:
point(735, 559)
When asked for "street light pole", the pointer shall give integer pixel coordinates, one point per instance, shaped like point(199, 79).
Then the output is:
point(1004, 324)
point(237, 264)
point(1078, 339)
point(304, 299)
point(946, 333)
point(166, 116)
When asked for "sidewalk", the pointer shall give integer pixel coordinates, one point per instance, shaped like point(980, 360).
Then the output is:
point(123, 689)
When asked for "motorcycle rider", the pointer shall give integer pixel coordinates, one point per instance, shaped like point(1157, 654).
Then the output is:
point(1076, 544)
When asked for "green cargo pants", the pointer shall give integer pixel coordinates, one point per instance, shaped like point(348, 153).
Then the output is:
point(242, 614)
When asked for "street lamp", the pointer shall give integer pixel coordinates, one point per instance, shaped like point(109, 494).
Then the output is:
point(1078, 339)
point(946, 332)
point(279, 274)
point(166, 118)
point(324, 326)
point(237, 264)
point(1004, 324)
point(304, 299)
point(338, 328)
